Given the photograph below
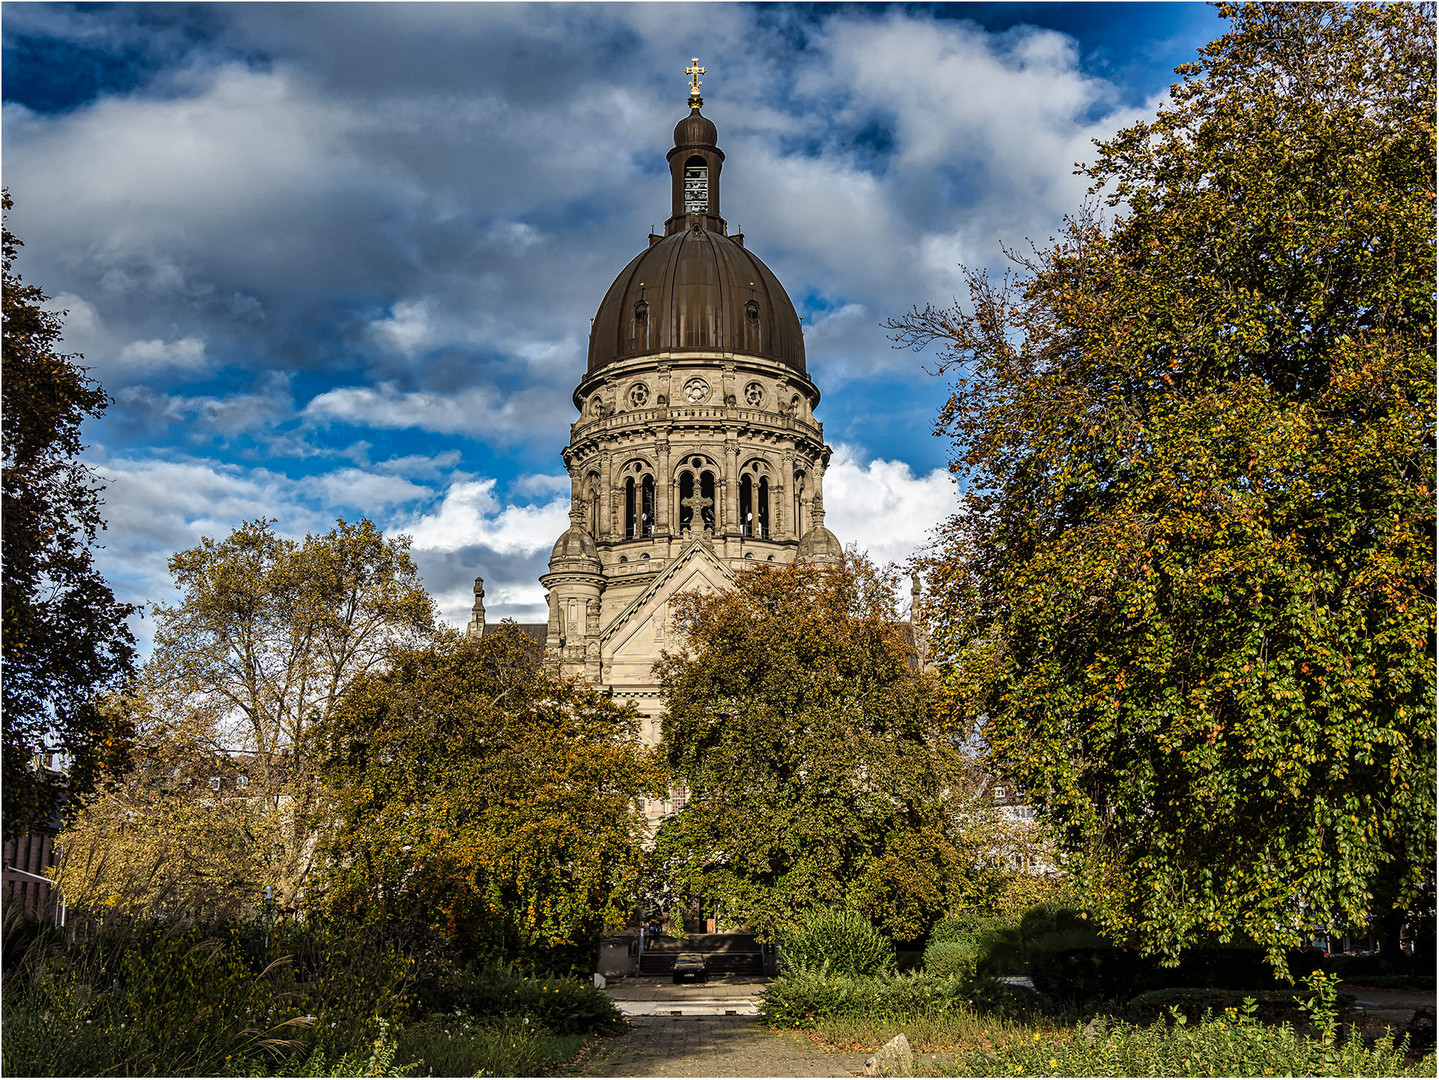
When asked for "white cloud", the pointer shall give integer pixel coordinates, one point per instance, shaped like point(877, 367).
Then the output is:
point(542, 484)
point(468, 411)
point(407, 329)
point(367, 492)
point(882, 507)
point(471, 516)
point(156, 353)
point(420, 465)
point(475, 410)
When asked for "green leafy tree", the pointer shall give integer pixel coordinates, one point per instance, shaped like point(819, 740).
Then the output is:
point(480, 794)
point(816, 770)
point(271, 633)
point(1191, 595)
point(66, 641)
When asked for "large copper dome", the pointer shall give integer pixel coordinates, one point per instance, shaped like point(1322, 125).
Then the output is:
point(696, 289)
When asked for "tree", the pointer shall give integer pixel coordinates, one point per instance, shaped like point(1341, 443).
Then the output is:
point(1191, 595)
point(66, 641)
point(181, 835)
point(480, 794)
point(269, 637)
point(816, 770)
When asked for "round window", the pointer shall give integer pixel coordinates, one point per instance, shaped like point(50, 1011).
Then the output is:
point(754, 393)
point(639, 394)
point(696, 391)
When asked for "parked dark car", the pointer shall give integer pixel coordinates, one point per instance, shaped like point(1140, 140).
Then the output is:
point(690, 965)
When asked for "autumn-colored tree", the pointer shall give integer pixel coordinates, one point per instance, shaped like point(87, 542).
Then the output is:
point(183, 834)
point(817, 772)
point(1191, 594)
point(66, 642)
point(270, 634)
point(479, 793)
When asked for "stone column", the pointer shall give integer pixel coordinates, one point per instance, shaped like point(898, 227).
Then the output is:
point(779, 504)
point(731, 482)
point(662, 484)
point(606, 486)
point(592, 640)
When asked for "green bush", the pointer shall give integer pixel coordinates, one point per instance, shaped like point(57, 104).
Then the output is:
point(800, 998)
point(951, 957)
point(459, 1046)
point(837, 940)
point(967, 924)
point(563, 1006)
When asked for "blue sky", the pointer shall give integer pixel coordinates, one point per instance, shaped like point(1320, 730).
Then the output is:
point(340, 259)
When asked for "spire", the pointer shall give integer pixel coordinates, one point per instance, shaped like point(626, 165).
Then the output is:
point(477, 613)
point(695, 163)
point(694, 71)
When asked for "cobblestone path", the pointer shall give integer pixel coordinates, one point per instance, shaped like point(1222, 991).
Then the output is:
point(716, 1046)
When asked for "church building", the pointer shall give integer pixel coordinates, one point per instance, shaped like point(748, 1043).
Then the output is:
point(696, 453)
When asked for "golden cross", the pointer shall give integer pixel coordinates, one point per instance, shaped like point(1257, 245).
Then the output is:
point(694, 71)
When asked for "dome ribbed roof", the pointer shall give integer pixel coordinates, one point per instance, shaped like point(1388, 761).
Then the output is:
point(696, 289)
point(575, 543)
point(818, 544)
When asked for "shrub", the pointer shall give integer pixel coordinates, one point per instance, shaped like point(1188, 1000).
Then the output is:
point(564, 1006)
point(967, 924)
point(800, 998)
point(951, 957)
point(837, 940)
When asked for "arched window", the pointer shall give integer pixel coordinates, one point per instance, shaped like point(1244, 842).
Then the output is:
point(762, 511)
point(647, 506)
point(697, 186)
point(799, 504)
point(746, 506)
point(630, 514)
point(687, 493)
point(697, 493)
point(707, 499)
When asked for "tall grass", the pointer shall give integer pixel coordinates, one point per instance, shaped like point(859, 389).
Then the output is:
point(1225, 1046)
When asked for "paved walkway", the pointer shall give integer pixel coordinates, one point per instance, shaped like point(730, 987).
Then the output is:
point(1393, 1007)
point(717, 1046)
point(707, 1029)
point(723, 995)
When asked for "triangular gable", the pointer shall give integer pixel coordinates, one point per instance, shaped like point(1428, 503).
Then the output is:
point(695, 562)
